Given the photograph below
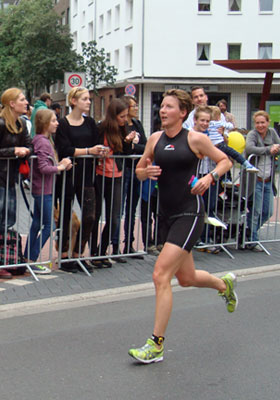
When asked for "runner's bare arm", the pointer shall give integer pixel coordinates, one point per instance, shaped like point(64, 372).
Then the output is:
point(202, 146)
point(144, 168)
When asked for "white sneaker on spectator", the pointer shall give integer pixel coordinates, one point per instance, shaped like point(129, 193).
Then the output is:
point(252, 169)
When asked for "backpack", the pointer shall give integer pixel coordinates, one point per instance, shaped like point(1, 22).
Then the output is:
point(12, 252)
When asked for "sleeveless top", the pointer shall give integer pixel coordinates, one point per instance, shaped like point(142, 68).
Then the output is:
point(178, 164)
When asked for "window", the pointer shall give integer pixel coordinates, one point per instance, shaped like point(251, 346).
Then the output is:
point(67, 15)
point(266, 5)
point(265, 51)
point(75, 8)
point(129, 12)
point(63, 18)
point(204, 5)
point(108, 58)
point(75, 40)
point(83, 19)
point(234, 51)
point(90, 31)
point(234, 5)
point(109, 21)
point(102, 106)
point(117, 17)
point(101, 25)
point(116, 58)
point(128, 57)
point(203, 52)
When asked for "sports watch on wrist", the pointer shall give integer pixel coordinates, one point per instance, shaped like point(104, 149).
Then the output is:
point(215, 176)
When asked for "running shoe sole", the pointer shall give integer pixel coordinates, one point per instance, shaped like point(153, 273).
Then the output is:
point(154, 360)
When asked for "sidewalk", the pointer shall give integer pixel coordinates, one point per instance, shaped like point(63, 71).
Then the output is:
point(59, 283)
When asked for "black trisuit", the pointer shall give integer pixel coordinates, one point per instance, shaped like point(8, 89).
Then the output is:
point(181, 213)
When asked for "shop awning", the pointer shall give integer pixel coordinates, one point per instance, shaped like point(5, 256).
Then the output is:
point(269, 67)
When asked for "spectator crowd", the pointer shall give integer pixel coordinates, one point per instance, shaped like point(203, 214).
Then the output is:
point(95, 164)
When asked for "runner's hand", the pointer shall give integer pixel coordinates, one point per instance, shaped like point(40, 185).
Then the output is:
point(153, 171)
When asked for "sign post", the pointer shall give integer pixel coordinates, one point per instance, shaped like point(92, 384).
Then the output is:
point(73, 79)
point(130, 90)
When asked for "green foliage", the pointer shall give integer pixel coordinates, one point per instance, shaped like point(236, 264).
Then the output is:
point(96, 66)
point(35, 49)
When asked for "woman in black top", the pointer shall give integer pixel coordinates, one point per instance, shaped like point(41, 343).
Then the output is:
point(77, 135)
point(14, 142)
point(176, 153)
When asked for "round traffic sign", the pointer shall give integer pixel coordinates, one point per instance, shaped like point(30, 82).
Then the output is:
point(75, 80)
point(130, 90)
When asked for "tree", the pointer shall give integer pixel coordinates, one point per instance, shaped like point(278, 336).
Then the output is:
point(35, 49)
point(96, 66)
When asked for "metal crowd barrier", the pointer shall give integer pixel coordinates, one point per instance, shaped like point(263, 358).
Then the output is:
point(236, 197)
point(231, 204)
point(23, 220)
point(21, 224)
point(120, 201)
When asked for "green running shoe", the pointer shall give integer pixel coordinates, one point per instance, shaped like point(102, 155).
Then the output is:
point(229, 295)
point(148, 353)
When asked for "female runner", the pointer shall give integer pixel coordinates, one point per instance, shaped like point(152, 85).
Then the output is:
point(176, 153)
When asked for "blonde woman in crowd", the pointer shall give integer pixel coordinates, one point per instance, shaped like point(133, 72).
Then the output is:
point(77, 135)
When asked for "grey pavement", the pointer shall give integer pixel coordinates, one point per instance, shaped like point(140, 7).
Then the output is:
point(134, 272)
point(80, 351)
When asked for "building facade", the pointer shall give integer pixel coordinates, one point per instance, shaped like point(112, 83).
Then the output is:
point(157, 45)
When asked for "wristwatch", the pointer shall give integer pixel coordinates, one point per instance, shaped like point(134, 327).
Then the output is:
point(215, 176)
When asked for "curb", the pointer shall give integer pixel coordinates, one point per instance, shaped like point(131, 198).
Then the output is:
point(108, 295)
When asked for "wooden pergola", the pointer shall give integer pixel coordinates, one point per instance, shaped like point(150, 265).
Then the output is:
point(268, 67)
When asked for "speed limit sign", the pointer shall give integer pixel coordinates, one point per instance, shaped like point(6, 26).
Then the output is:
point(73, 79)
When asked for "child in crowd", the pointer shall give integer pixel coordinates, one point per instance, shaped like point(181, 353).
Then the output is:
point(43, 171)
point(219, 141)
point(202, 119)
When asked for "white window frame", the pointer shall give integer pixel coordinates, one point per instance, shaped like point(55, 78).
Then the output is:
point(75, 8)
point(263, 48)
point(102, 106)
point(234, 44)
point(129, 13)
point(75, 40)
point(200, 47)
point(83, 19)
point(265, 11)
point(231, 3)
point(90, 31)
point(108, 58)
point(108, 22)
point(128, 57)
point(117, 16)
point(101, 25)
point(117, 58)
point(204, 2)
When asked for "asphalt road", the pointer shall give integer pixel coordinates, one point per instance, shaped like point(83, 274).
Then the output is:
point(79, 351)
